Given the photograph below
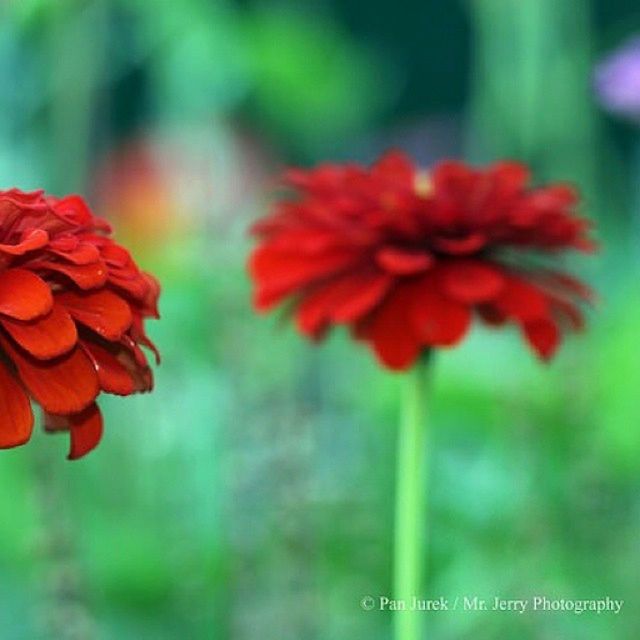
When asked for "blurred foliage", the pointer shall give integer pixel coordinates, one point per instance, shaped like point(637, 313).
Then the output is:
point(250, 496)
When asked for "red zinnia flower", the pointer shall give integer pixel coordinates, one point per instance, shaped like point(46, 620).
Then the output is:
point(72, 305)
point(406, 258)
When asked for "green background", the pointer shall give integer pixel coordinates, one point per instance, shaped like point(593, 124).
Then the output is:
point(250, 496)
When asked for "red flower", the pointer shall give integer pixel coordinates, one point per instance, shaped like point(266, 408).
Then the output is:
point(72, 306)
point(407, 258)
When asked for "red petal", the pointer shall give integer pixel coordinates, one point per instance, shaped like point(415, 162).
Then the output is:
point(280, 273)
point(16, 418)
point(103, 311)
point(86, 276)
point(462, 246)
point(522, 300)
point(312, 315)
point(140, 337)
point(390, 331)
point(112, 374)
point(453, 178)
point(33, 239)
point(369, 293)
point(563, 310)
point(23, 295)
point(397, 167)
point(470, 281)
point(270, 263)
point(565, 284)
point(46, 337)
point(133, 358)
point(67, 384)
point(554, 197)
point(437, 320)
point(543, 335)
point(83, 253)
point(307, 240)
point(74, 209)
point(403, 262)
point(509, 179)
point(341, 300)
point(131, 282)
point(85, 430)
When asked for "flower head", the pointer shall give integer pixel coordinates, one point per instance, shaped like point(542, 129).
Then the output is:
point(617, 80)
point(407, 258)
point(72, 307)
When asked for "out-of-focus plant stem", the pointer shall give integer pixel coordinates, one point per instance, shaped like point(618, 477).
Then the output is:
point(64, 612)
point(635, 181)
point(531, 94)
point(76, 46)
point(77, 50)
point(410, 516)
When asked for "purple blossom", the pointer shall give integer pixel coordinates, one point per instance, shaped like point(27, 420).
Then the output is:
point(617, 80)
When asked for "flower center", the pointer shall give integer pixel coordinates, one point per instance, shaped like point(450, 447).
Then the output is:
point(422, 184)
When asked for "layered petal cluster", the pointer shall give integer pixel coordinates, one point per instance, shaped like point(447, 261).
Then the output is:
point(72, 307)
point(408, 258)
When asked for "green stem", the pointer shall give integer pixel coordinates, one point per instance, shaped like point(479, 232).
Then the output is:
point(410, 516)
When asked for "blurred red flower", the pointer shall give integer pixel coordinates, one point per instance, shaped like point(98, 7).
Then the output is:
point(72, 305)
point(407, 258)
